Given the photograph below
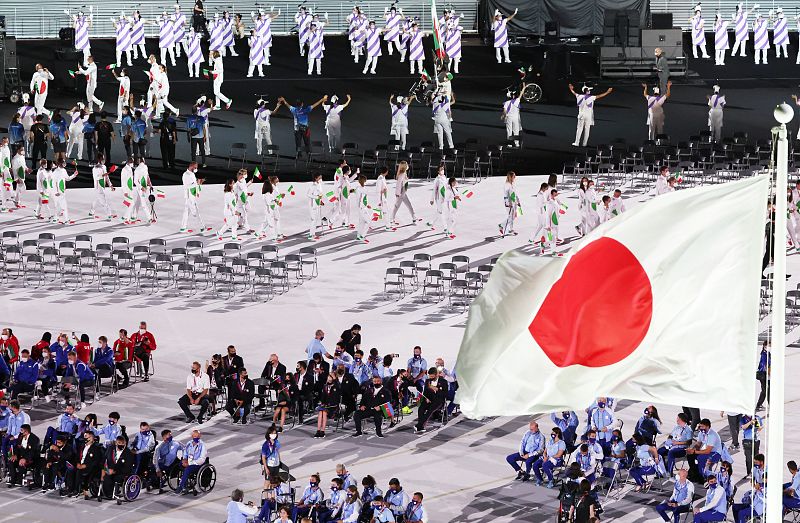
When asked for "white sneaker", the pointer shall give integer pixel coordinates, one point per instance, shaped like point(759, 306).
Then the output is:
point(100, 106)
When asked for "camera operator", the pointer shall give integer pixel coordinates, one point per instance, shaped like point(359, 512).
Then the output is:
point(144, 343)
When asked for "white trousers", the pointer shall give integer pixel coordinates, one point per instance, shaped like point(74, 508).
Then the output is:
point(442, 129)
point(269, 224)
point(91, 99)
point(48, 207)
point(454, 63)
point(540, 234)
point(364, 217)
point(451, 218)
point(75, 138)
point(513, 126)
point(119, 57)
point(194, 70)
point(263, 135)
point(761, 56)
point(252, 67)
point(177, 46)
point(400, 133)
point(168, 50)
point(784, 48)
point(40, 99)
point(232, 49)
point(244, 222)
point(740, 46)
point(315, 214)
point(139, 48)
point(403, 200)
point(163, 101)
point(719, 57)
point(791, 227)
point(190, 207)
point(62, 211)
point(276, 215)
point(101, 198)
point(508, 226)
point(438, 213)
point(231, 223)
point(121, 102)
point(419, 64)
point(583, 129)
point(218, 92)
point(341, 210)
point(371, 60)
point(702, 48)
point(505, 53)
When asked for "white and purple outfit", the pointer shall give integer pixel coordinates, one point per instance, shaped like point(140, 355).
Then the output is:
point(166, 38)
point(81, 24)
point(137, 36)
point(416, 52)
point(740, 30)
point(355, 33)
point(720, 40)
point(316, 49)
point(399, 127)
point(760, 39)
point(303, 21)
point(392, 32)
point(716, 103)
point(179, 30)
point(699, 34)
point(217, 38)
point(780, 35)
point(194, 53)
point(512, 118)
point(257, 56)
point(500, 28)
point(123, 33)
point(373, 45)
point(453, 44)
point(441, 121)
point(585, 102)
point(227, 35)
point(264, 30)
point(655, 115)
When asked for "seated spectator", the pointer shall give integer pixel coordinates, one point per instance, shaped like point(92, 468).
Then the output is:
point(283, 515)
point(9, 346)
point(618, 449)
point(142, 446)
point(715, 506)
point(231, 363)
point(60, 461)
point(758, 468)
point(649, 425)
point(681, 499)
point(166, 458)
point(791, 490)
point(340, 356)
point(270, 454)
point(16, 419)
point(400, 387)
point(274, 372)
point(396, 498)
point(345, 476)
point(381, 511)
point(103, 364)
point(432, 399)
point(328, 404)
point(109, 432)
point(61, 349)
point(305, 388)
point(194, 455)
point(752, 504)
point(707, 450)
point(530, 449)
point(197, 385)
point(47, 371)
point(374, 361)
point(5, 373)
point(552, 457)
point(123, 356)
point(89, 423)
point(677, 442)
point(25, 457)
point(370, 406)
point(417, 368)
point(89, 464)
point(385, 369)
point(312, 497)
point(237, 510)
point(590, 438)
point(352, 505)
point(240, 396)
point(602, 421)
point(322, 368)
point(371, 490)
point(118, 466)
point(647, 457)
point(334, 505)
point(725, 477)
point(5, 413)
point(44, 343)
point(587, 462)
point(144, 343)
point(415, 512)
point(216, 380)
point(283, 401)
point(25, 376)
point(67, 426)
point(349, 388)
point(81, 372)
point(452, 384)
point(83, 348)
point(276, 494)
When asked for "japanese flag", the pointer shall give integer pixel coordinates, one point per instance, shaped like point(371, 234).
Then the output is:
point(658, 304)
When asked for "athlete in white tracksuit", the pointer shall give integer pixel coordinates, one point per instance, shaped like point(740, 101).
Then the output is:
point(343, 191)
point(229, 212)
point(19, 170)
point(441, 120)
point(539, 236)
point(44, 190)
point(243, 194)
point(218, 76)
point(364, 210)
point(333, 121)
point(585, 102)
point(123, 96)
point(101, 183)
point(399, 107)
point(382, 195)
point(512, 204)
point(315, 203)
point(262, 116)
point(438, 197)
point(40, 87)
point(268, 194)
point(452, 201)
point(128, 186)
point(141, 176)
point(163, 93)
point(60, 178)
point(7, 197)
point(192, 187)
point(91, 84)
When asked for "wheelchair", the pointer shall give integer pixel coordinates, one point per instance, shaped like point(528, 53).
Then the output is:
point(203, 480)
point(532, 92)
point(130, 490)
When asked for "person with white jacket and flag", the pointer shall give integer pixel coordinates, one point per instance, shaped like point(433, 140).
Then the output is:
point(512, 204)
point(40, 83)
point(59, 178)
point(124, 93)
point(192, 188)
point(91, 84)
point(401, 194)
point(101, 183)
point(230, 215)
point(343, 191)
point(315, 203)
point(268, 194)
point(438, 196)
point(364, 209)
point(44, 188)
point(540, 207)
point(452, 201)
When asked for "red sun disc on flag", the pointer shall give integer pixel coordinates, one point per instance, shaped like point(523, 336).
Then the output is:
point(599, 311)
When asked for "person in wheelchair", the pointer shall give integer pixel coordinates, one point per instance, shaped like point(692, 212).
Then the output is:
point(194, 455)
point(312, 498)
point(332, 511)
point(89, 464)
point(103, 364)
point(117, 467)
point(433, 397)
point(240, 397)
point(110, 430)
point(276, 494)
point(329, 398)
point(285, 398)
point(165, 459)
point(58, 470)
point(142, 446)
point(25, 458)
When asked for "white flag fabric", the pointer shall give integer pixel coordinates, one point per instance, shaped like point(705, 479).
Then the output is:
point(658, 304)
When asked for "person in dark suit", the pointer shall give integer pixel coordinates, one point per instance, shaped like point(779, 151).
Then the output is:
point(434, 394)
point(304, 381)
point(59, 463)
point(89, 463)
point(231, 363)
point(329, 398)
point(370, 407)
point(272, 370)
point(349, 389)
point(25, 457)
point(321, 364)
point(240, 396)
point(118, 465)
point(662, 69)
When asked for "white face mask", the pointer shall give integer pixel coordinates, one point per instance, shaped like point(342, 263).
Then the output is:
point(23, 360)
point(62, 343)
point(4, 337)
point(142, 331)
point(273, 436)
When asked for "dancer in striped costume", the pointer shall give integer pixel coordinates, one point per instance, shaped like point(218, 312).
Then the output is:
point(716, 103)
point(257, 56)
point(137, 35)
point(585, 102)
point(217, 37)
point(227, 34)
point(416, 53)
point(780, 34)
point(740, 28)
point(698, 32)
point(179, 29)
point(316, 48)
point(166, 34)
point(760, 39)
point(372, 41)
point(82, 23)
point(40, 87)
point(453, 43)
point(263, 25)
point(797, 20)
point(355, 34)
point(194, 53)
point(303, 20)
point(720, 39)
point(392, 31)
point(500, 28)
point(122, 27)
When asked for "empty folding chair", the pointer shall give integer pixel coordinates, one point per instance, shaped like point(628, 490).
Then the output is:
point(157, 245)
point(185, 283)
point(30, 247)
point(121, 243)
point(178, 255)
point(46, 239)
point(262, 284)
point(13, 260)
point(240, 274)
point(51, 263)
point(83, 242)
point(194, 248)
point(89, 265)
point(280, 276)
point(164, 274)
point(462, 262)
point(10, 238)
point(474, 282)
point(423, 261)
point(449, 272)
point(294, 264)
point(202, 270)
point(458, 294)
point(141, 253)
point(146, 278)
point(394, 282)
point(308, 256)
point(103, 251)
point(485, 271)
point(410, 273)
point(71, 276)
point(33, 271)
point(222, 280)
point(270, 252)
point(109, 276)
point(433, 286)
point(67, 249)
point(126, 267)
point(232, 250)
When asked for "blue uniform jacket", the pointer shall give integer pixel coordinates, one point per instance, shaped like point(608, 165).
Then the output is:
point(27, 372)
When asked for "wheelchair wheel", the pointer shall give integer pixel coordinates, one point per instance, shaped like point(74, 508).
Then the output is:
point(532, 93)
point(174, 478)
point(131, 489)
point(206, 478)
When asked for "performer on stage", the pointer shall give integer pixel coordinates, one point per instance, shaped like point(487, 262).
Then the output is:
point(163, 93)
point(554, 208)
point(452, 200)
point(179, 30)
point(441, 120)
point(166, 38)
point(262, 116)
point(662, 68)
point(257, 54)
point(194, 53)
point(512, 204)
point(716, 103)
point(500, 28)
point(333, 120)
point(227, 34)
point(401, 194)
point(124, 94)
point(698, 32)
point(511, 115)
point(780, 34)
point(391, 32)
point(741, 29)
point(372, 42)
point(91, 84)
point(303, 19)
point(316, 47)
point(81, 23)
point(137, 35)
point(453, 43)
point(122, 27)
point(760, 39)
point(78, 118)
point(315, 203)
point(720, 39)
point(101, 183)
point(364, 209)
point(585, 101)
point(217, 39)
point(263, 26)
point(399, 107)
point(44, 189)
point(40, 83)
point(230, 216)
point(416, 52)
point(355, 32)
point(218, 76)
point(655, 109)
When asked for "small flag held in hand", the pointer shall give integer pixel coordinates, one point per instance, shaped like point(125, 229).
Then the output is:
point(111, 66)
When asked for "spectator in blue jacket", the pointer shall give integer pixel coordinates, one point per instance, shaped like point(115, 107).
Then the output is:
point(166, 457)
point(5, 373)
point(80, 371)
point(60, 349)
point(25, 376)
point(103, 363)
point(47, 371)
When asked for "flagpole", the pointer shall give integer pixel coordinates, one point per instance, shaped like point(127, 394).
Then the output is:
point(783, 114)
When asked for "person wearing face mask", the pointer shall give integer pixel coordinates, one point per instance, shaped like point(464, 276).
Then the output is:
point(81, 372)
point(431, 400)
point(103, 362)
point(315, 345)
point(677, 442)
point(194, 455)
point(552, 457)
point(681, 499)
point(381, 511)
point(123, 356)
point(66, 426)
point(25, 375)
point(396, 498)
point(715, 506)
point(59, 467)
point(118, 466)
point(567, 421)
point(237, 510)
point(274, 371)
point(216, 381)
point(303, 380)
point(590, 438)
point(270, 454)
point(47, 371)
point(312, 497)
point(370, 406)
point(359, 369)
point(602, 420)
point(110, 430)
point(275, 494)
point(240, 397)
point(340, 356)
point(368, 496)
point(61, 348)
point(142, 446)
point(415, 512)
point(752, 504)
point(347, 479)
point(25, 457)
point(618, 449)
point(232, 363)
point(329, 399)
point(647, 459)
point(89, 463)
point(417, 366)
point(16, 419)
point(44, 343)
point(334, 504)
point(197, 385)
point(9, 346)
point(143, 344)
point(5, 373)
point(708, 448)
point(751, 426)
point(285, 396)
point(165, 459)
point(452, 384)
